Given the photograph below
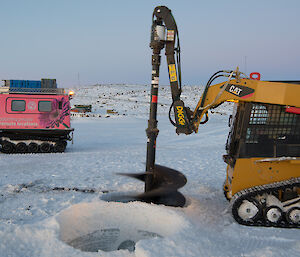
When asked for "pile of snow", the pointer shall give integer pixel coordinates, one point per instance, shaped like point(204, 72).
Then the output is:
point(110, 226)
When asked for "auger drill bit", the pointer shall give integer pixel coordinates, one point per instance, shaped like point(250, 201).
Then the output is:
point(164, 186)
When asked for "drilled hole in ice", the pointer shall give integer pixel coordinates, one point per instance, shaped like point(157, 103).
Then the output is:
point(111, 226)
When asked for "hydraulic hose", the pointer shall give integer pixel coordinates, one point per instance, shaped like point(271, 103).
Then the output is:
point(211, 79)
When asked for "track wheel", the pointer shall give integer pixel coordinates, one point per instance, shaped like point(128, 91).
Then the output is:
point(21, 147)
point(45, 148)
point(60, 146)
point(273, 214)
point(7, 147)
point(293, 215)
point(249, 210)
point(33, 148)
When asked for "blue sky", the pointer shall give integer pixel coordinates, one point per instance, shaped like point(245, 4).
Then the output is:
point(108, 41)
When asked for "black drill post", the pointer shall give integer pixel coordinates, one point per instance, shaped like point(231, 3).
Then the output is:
point(161, 183)
point(152, 131)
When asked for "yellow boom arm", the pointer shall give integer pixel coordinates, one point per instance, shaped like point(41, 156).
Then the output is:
point(247, 90)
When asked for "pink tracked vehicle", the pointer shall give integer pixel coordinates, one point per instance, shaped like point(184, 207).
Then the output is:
point(34, 117)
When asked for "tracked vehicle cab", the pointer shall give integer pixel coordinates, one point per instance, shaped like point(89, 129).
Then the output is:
point(34, 117)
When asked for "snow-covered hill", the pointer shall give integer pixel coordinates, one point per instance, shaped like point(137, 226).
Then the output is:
point(36, 220)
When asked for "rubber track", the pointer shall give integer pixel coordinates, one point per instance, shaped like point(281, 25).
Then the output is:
point(259, 190)
point(26, 152)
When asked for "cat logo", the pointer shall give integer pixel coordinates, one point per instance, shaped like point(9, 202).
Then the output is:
point(180, 115)
point(239, 90)
point(235, 90)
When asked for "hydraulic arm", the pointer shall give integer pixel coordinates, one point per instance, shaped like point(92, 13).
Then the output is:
point(161, 183)
point(163, 22)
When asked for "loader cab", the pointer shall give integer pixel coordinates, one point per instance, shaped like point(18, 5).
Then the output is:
point(263, 130)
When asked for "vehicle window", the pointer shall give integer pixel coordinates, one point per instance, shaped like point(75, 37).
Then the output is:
point(272, 122)
point(18, 105)
point(271, 131)
point(45, 106)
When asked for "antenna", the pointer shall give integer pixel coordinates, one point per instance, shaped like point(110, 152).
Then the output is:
point(245, 63)
point(78, 77)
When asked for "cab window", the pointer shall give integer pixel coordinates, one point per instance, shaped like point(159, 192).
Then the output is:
point(270, 131)
point(45, 106)
point(18, 105)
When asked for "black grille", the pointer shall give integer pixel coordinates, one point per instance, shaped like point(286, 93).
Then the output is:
point(271, 131)
point(272, 122)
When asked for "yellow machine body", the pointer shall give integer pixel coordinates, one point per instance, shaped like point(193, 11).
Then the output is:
point(250, 172)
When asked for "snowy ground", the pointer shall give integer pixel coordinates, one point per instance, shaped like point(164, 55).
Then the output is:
point(37, 221)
